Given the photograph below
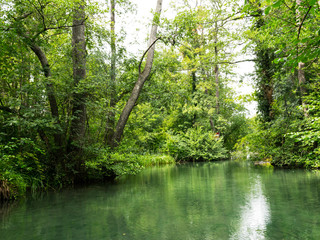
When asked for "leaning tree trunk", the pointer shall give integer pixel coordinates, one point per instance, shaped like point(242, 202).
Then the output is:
point(78, 121)
point(143, 76)
point(51, 96)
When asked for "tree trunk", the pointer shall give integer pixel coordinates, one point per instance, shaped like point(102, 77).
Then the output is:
point(194, 88)
point(301, 65)
point(216, 70)
point(265, 76)
point(50, 93)
point(216, 76)
point(78, 122)
point(47, 73)
point(112, 88)
point(143, 76)
point(302, 82)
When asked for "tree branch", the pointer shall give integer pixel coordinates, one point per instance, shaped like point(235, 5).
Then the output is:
point(22, 17)
point(45, 27)
point(58, 27)
point(304, 18)
point(231, 18)
point(240, 61)
point(147, 52)
point(290, 8)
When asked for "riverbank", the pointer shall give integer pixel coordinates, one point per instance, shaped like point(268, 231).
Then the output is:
point(107, 167)
point(119, 164)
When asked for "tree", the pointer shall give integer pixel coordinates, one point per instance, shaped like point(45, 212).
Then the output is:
point(79, 115)
point(301, 65)
point(112, 89)
point(265, 73)
point(290, 70)
point(19, 22)
point(143, 76)
point(78, 127)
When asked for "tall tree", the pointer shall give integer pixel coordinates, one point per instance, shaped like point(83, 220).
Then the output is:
point(78, 122)
point(264, 70)
point(30, 23)
point(111, 86)
point(58, 138)
point(301, 65)
point(143, 76)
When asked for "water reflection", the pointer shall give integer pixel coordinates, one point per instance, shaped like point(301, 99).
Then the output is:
point(206, 201)
point(255, 215)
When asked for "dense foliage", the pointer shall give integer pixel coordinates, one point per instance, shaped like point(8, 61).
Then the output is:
point(67, 79)
point(286, 42)
point(77, 104)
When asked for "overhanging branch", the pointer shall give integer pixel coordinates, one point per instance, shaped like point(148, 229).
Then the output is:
point(240, 61)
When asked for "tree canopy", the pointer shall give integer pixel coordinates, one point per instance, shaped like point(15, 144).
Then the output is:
point(77, 104)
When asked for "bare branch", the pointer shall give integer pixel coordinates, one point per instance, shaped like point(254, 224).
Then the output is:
point(240, 61)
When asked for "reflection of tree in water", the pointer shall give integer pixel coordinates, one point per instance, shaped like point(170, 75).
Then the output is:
point(294, 197)
point(4, 190)
point(5, 210)
point(255, 215)
point(224, 200)
point(5, 205)
point(195, 201)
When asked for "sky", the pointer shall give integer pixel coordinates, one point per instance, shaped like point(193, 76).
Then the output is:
point(137, 34)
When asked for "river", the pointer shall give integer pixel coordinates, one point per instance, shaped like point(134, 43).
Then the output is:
point(198, 201)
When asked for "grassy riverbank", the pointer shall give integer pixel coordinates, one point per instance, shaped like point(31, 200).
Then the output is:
point(14, 183)
point(117, 164)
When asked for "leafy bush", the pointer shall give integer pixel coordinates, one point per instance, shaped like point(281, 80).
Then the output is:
point(196, 145)
point(116, 164)
point(22, 165)
point(286, 142)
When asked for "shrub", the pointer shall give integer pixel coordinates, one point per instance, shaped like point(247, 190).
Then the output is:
point(117, 164)
point(22, 166)
point(196, 145)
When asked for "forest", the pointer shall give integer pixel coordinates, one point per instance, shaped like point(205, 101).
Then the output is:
point(77, 105)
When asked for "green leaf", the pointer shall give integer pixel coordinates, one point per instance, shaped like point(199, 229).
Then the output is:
point(246, 7)
point(312, 2)
point(277, 4)
point(267, 10)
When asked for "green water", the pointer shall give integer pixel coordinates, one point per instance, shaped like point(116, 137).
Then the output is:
point(222, 200)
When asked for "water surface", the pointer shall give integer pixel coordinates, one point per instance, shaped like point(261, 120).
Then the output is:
point(223, 200)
